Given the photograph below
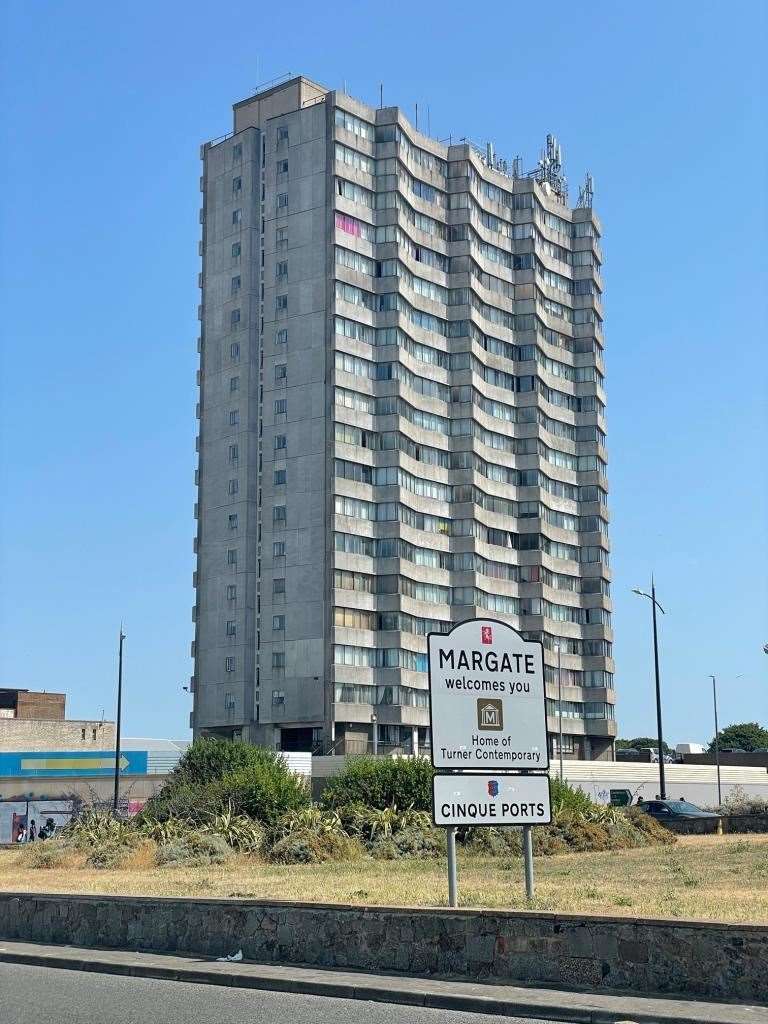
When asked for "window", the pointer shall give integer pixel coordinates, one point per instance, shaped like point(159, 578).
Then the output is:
point(231, 556)
point(234, 317)
point(236, 250)
point(281, 302)
point(281, 371)
point(237, 153)
point(231, 592)
point(234, 351)
point(282, 200)
point(237, 216)
point(233, 486)
point(280, 442)
point(234, 417)
point(278, 549)
point(229, 664)
point(282, 134)
point(278, 585)
point(93, 735)
point(281, 336)
point(281, 269)
point(278, 660)
point(278, 513)
point(234, 383)
point(281, 406)
point(278, 622)
point(237, 186)
point(82, 734)
point(234, 453)
point(280, 477)
point(234, 287)
point(278, 697)
point(231, 627)
point(233, 521)
point(282, 166)
point(281, 237)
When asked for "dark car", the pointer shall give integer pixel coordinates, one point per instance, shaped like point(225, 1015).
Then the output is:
point(673, 810)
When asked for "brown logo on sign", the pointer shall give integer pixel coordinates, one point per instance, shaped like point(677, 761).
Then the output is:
point(490, 714)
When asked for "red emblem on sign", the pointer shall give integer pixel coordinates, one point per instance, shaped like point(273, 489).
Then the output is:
point(486, 634)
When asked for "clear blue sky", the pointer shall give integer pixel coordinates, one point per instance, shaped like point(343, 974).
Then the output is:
point(103, 111)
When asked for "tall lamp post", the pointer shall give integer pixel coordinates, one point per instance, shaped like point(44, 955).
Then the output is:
point(375, 733)
point(654, 605)
point(717, 742)
point(119, 716)
point(559, 708)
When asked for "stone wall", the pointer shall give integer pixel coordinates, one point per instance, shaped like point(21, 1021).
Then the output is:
point(732, 824)
point(685, 957)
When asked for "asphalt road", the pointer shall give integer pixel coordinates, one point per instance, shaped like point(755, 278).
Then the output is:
point(44, 995)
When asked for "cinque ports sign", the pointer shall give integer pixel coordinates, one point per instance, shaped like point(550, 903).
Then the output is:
point(487, 703)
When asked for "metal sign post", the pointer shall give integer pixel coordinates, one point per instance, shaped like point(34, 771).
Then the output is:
point(528, 860)
point(487, 709)
point(453, 886)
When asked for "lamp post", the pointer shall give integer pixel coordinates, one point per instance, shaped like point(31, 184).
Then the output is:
point(717, 742)
point(559, 708)
point(654, 605)
point(119, 716)
point(374, 721)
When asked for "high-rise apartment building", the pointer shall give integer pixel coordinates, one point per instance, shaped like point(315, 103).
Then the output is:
point(402, 425)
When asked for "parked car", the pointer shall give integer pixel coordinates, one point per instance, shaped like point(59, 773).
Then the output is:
point(673, 810)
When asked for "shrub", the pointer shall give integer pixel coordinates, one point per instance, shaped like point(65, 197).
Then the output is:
point(413, 841)
point(195, 849)
point(45, 855)
point(649, 827)
point(738, 802)
point(265, 792)
point(95, 829)
point(216, 777)
point(304, 846)
point(237, 830)
point(569, 798)
point(111, 855)
point(210, 757)
point(381, 782)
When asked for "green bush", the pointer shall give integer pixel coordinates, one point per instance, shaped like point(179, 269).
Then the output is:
point(265, 792)
point(304, 846)
point(96, 829)
point(111, 855)
point(569, 798)
point(195, 849)
point(379, 783)
point(413, 841)
point(210, 757)
point(216, 777)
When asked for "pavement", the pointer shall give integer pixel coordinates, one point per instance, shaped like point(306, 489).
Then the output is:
point(34, 981)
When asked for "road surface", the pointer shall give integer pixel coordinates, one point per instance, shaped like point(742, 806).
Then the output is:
point(45, 995)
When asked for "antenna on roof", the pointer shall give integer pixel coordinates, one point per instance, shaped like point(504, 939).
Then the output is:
point(381, 95)
point(586, 192)
point(417, 117)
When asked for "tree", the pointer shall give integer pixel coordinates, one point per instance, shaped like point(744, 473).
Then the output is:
point(642, 741)
point(745, 735)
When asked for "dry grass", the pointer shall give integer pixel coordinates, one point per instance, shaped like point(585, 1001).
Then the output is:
point(707, 877)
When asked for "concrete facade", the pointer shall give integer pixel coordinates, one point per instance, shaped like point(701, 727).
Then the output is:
point(402, 426)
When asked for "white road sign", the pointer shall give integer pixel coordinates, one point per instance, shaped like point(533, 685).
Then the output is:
point(487, 703)
point(469, 799)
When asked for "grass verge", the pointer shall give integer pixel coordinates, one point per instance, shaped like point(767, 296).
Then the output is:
point(719, 878)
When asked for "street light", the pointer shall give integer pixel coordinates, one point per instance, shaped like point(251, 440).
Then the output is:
point(116, 798)
point(374, 720)
point(717, 743)
point(559, 707)
point(655, 604)
point(717, 740)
